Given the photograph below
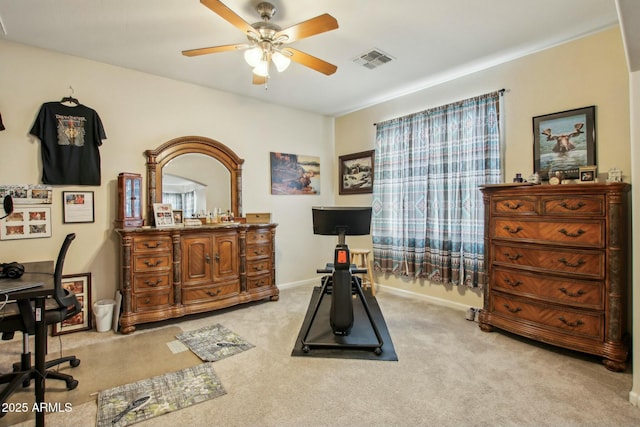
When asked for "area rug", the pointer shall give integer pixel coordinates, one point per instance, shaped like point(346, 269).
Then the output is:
point(116, 360)
point(213, 343)
point(362, 332)
point(169, 392)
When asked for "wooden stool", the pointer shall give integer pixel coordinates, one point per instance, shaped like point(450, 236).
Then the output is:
point(360, 257)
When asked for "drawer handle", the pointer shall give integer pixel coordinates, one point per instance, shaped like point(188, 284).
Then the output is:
point(513, 230)
point(514, 284)
point(571, 264)
point(571, 324)
point(207, 259)
point(579, 233)
point(152, 245)
point(572, 208)
point(213, 294)
point(512, 257)
point(572, 294)
point(258, 251)
point(260, 284)
point(218, 258)
point(147, 300)
point(512, 310)
point(152, 284)
point(512, 207)
point(152, 264)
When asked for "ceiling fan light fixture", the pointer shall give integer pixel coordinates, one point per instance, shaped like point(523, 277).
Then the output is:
point(280, 61)
point(253, 56)
point(262, 69)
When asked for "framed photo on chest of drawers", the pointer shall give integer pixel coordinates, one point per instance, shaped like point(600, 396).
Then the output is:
point(557, 262)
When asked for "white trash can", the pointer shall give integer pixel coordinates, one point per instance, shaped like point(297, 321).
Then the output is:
point(103, 310)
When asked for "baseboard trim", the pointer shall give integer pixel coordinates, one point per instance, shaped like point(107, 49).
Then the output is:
point(634, 398)
point(391, 290)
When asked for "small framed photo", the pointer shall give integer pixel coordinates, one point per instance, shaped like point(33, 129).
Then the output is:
point(588, 173)
point(77, 206)
point(79, 284)
point(356, 173)
point(163, 215)
point(177, 216)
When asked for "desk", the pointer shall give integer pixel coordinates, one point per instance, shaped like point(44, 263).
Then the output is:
point(41, 272)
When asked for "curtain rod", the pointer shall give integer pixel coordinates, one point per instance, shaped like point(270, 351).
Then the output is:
point(501, 92)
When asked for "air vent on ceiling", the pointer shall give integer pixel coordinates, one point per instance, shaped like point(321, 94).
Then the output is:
point(373, 58)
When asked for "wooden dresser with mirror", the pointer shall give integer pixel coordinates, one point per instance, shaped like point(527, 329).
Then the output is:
point(170, 272)
point(557, 265)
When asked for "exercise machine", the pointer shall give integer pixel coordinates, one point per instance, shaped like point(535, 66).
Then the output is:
point(339, 280)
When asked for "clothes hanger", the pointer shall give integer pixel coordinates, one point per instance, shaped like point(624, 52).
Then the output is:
point(70, 99)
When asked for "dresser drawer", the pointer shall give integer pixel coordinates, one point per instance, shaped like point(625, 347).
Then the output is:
point(258, 236)
point(258, 251)
point(155, 244)
point(576, 322)
point(147, 262)
point(151, 301)
point(577, 233)
point(209, 293)
point(578, 293)
point(150, 282)
point(527, 205)
point(259, 266)
point(257, 283)
point(585, 263)
point(575, 206)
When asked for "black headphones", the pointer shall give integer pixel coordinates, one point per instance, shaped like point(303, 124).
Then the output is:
point(11, 270)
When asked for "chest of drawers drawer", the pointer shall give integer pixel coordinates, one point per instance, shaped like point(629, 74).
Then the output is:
point(258, 237)
point(577, 232)
point(209, 293)
point(578, 293)
point(151, 262)
point(585, 323)
point(152, 301)
point(259, 266)
point(151, 282)
point(259, 282)
point(157, 244)
point(584, 263)
point(258, 251)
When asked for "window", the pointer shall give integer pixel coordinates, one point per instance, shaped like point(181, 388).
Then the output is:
point(428, 213)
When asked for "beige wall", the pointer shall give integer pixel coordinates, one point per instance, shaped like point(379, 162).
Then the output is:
point(141, 111)
point(634, 95)
point(588, 71)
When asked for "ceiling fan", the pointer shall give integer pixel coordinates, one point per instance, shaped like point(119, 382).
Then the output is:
point(267, 41)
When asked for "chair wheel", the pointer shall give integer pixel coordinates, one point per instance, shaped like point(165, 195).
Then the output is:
point(71, 384)
point(74, 363)
point(378, 351)
point(306, 349)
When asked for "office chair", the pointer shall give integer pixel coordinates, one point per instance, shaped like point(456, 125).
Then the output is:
point(19, 317)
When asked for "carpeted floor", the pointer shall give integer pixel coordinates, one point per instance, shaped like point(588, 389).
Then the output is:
point(448, 373)
point(104, 364)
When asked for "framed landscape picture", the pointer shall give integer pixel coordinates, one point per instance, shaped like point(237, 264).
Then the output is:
point(356, 173)
point(563, 142)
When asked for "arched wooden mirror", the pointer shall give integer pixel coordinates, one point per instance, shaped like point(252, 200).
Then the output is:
point(200, 162)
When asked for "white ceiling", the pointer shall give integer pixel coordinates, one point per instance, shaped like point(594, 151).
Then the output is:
point(431, 40)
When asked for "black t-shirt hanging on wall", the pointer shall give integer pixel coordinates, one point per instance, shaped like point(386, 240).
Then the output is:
point(70, 137)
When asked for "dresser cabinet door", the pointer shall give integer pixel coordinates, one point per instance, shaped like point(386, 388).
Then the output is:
point(197, 260)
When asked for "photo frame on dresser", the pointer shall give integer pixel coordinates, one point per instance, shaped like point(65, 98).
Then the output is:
point(163, 215)
point(563, 142)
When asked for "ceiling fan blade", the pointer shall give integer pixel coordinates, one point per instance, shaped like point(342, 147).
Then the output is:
point(311, 61)
point(229, 15)
point(258, 80)
point(310, 27)
point(213, 49)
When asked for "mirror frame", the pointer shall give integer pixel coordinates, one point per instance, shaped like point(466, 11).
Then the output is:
point(158, 158)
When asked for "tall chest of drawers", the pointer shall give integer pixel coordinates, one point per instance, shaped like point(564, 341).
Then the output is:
point(557, 266)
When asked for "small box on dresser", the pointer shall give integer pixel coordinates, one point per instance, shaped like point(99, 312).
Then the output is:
point(556, 265)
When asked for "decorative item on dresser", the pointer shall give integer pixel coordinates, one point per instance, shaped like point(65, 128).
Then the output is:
point(129, 200)
point(557, 264)
point(175, 271)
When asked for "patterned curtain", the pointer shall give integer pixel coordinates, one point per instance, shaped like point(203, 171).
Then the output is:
point(428, 213)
